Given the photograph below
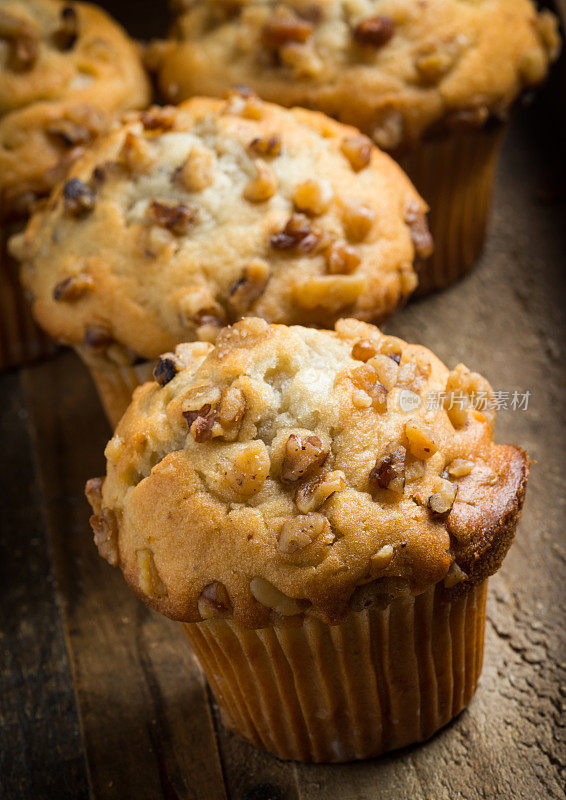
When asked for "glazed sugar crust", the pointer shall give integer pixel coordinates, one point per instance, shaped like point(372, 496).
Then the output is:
point(184, 219)
point(66, 68)
point(394, 68)
point(273, 475)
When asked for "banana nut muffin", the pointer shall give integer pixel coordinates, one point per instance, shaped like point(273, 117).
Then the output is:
point(397, 69)
point(185, 218)
point(65, 68)
point(275, 474)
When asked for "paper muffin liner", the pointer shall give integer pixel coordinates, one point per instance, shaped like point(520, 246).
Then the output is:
point(115, 387)
point(21, 341)
point(455, 175)
point(382, 679)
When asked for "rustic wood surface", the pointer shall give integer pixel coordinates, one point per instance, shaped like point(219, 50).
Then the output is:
point(101, 698)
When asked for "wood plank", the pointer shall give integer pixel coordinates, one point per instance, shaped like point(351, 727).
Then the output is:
point(38, 758)
point(147, 728)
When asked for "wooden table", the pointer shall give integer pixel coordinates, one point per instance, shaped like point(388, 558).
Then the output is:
point(101, 698)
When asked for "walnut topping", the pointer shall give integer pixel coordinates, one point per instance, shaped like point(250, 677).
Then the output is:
point(166, 368)
point(148, 577)
point(268, 595)
point(341, 258)
point(22, 39)
point(389, 472)
point(93, 492)
point(299, 532)
point(229, 414)
point(66, 35)
point(454, 576)
point(392, 347)
point(382, 558)
point(467, 390)
point(374, 31)
point(301, 58)
point(387, 369)
point(78, 197)
point(296, 235)
point(441, 501)
point(358, 220)
point(263, 186)
point(214, 601)
point(158, 118)
point(312, 197)
point(420, 234)
point(105, 530)
point(363, 350)
point(267, 146)
point(135, 153)
point(421, 438)
point(285, 26)
point(249, 287)
point(201, 422)
point(460, 467)
point(176, 217)
point(244, 102)
point(73, 287)
point(366, 379)
point(388, 133)
point(220, 416)
point(249, 471)
point(311, 496)
point(436, 60)
point(303, 456)
point(357, 150)
point(196, 174)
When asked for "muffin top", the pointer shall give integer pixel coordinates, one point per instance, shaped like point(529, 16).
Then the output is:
point(292, 471)
point(186, 218)
point(65, 68)
point(398, 69)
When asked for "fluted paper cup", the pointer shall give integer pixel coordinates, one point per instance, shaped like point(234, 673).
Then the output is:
point(380, 680)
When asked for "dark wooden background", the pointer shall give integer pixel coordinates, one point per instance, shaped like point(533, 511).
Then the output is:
point(101, 698)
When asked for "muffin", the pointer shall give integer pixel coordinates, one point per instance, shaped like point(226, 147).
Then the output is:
point(321, 512)
point(66, 69)
point(432, 83)
point(186, 218)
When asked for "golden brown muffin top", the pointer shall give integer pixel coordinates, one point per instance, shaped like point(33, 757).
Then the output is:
point(186, 218)
point(395, 68)
point(275, 474)
point(65, 67)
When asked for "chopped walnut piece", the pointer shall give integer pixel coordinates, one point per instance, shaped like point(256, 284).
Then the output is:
point(441, 501)
point(301, 58)
point(22, 39)
point(244, 102)
point(366, 379)
point(313, 197)
point(167, 367)
point(389, 472)
point(341, 258)
point(93, 492)
point(200, 394)
point(196, 174)
point(149, 579)
point(363, 350)
point(454, 576)
point(296, 235)
point(374, 31)
point(299, 532)
point(176, 217)
point(158, 118)
point(267, 146)
point(382, 558)
point(135, 153)
point(303, 456)
point(201, 422)
point(73, 288)
point(460, 467)
point(263, 186)
point(421, 438)
point(387, 369)
point(392, 347)
point(434, 61)
point(406, 373)
point(214, 601)
point(249, 471)
point(357, 219)
point(420, 234)
point(229, 414)
point(357, 150)
point(467, 390)
point(285, 26)
point(311, 496)
point(105, 530)
point(78, 197)
point(66, 35)
point(268, 595)
point(329, 291)
point(249, 287)
point(388, 133)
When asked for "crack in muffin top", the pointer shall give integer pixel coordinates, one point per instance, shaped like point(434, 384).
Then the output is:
point(186, 218)
point(275, 474)
point(394, 68)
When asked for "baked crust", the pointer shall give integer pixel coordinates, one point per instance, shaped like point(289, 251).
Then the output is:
point(393, 68)
point(66, 69)
point(268, 476)
point(186, 218)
